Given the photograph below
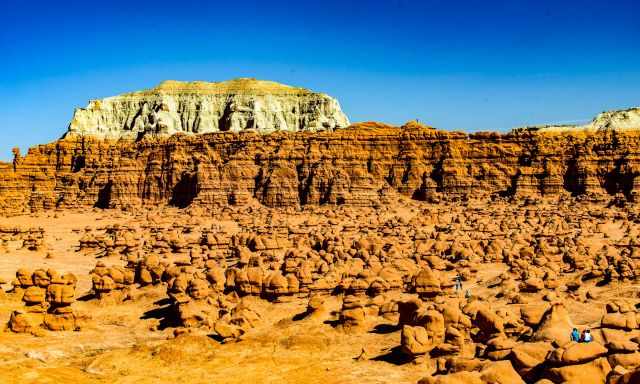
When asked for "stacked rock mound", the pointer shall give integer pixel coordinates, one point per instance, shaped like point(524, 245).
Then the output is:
point(47, 298)
point(178, 242)
point(620, 333)
point(199, 302)
point(360, 306)
point(150, 270)
point(459, 341)
point(439, 330)
point(117, 283)
point(216, 243)
point(111, 241)
point(22, 238)
point(581, 362)
point(113, 282)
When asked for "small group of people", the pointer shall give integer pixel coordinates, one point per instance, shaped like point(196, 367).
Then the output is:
point(585, 337)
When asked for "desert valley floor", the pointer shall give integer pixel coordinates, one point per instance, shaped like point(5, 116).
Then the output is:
point(324, 294)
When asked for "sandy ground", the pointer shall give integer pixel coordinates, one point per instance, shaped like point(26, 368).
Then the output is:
point(121, 343)
point(117, 345)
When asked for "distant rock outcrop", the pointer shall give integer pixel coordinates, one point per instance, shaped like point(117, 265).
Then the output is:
point(202, 107)
point(622, 120)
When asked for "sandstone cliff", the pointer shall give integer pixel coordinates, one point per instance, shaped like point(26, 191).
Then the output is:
point(361, 165)
point(201, 107)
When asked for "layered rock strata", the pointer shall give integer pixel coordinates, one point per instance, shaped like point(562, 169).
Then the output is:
point(201, 107)
point(359, 166)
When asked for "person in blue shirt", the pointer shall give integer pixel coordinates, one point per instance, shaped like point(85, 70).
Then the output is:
point(575, 335)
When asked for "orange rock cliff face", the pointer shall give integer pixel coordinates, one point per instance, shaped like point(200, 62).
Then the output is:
point(361, 165)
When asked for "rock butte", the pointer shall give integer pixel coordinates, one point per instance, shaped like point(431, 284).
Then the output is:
point(302, 256)
point(201, 107)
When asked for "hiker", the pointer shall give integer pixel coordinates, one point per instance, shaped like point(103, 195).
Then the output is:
point(575, 335)
point(586, 336)
point(458, 281)
point(467, 294)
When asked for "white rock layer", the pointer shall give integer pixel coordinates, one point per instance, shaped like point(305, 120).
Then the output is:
point(621, 120)
point(202, 107)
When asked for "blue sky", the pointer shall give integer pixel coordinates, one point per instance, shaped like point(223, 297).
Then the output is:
point(463, 65)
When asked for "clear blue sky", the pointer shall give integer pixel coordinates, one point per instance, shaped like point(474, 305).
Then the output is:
point(467, 65)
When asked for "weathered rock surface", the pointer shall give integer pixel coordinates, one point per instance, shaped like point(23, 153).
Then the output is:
point(628, 119)
point(47, 301)
point(359, 166)
point(201, 107)
point(375, 282)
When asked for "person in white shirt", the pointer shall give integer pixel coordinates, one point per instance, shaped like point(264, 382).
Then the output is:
point(586, 336)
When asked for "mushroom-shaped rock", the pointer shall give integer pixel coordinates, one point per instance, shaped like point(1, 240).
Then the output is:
point(276, 284)
point(60, 295)
point(34, 295)
point(217, 278)
point(198, 289)
point(60, 320)
point(41, 278)
point(24, 277)
point(426, 283)
point(415, 341)
point(353, 316)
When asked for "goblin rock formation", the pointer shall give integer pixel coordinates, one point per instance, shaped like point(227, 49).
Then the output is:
point(371, 288)
point(47, 296)
point(201, 107)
